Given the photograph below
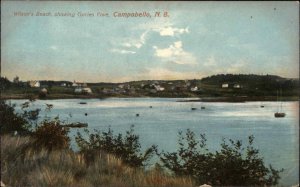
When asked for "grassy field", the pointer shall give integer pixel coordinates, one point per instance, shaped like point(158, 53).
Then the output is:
point(23, 166)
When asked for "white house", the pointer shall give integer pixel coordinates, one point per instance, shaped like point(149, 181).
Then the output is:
point(194, 89)
point(159, 88)
point(87, 90)
point(225, 85)
point(35, 84)
point(83, 90)
point(77, 84)
point(236, 86)
point(44, 90)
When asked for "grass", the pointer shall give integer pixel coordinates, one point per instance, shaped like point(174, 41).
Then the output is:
point(21, 165)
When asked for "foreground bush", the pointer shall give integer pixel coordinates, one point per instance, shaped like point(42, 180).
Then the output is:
point(233, 165)
point(11, 121)
point(51, 135)
point(65, 168)
point(127, 148)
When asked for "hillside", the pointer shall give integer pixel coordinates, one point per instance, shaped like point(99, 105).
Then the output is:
point(263, 87)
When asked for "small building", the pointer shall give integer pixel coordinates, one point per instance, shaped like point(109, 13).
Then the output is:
point(63, 84)
point(77, 84)
point(237, 86)
point(225, 85)
point(44, 90)
point(87, 90)
point(35, 84)
point(194, 89)
point(159, 88)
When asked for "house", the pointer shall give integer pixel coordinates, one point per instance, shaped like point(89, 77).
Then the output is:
point(237, 86)
point(225, 85)
point(63, 84)
point(44, 90)
point(87, 90)
point(194, 89)
point(35, 84)
point(159, 88)
point(77, 84)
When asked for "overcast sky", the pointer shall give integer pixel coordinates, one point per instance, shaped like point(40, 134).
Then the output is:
point(198, 39)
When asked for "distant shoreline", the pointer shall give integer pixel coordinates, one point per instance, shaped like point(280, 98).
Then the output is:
point(241, 99)
point(184, 99)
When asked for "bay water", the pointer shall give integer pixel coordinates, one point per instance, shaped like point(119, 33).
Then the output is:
point(160, 119)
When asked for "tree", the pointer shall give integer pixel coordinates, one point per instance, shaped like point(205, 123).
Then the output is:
point(232, 165)
point(4, 83)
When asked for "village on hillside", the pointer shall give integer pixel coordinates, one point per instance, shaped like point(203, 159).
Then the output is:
point(214, 86)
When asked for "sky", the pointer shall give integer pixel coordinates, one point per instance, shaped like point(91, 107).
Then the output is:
point(195, 40)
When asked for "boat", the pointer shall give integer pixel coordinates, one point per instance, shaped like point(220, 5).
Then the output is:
point(193, 108)
point(203, 107)
point(82, 103)
point(76, 125)
point(279, 113)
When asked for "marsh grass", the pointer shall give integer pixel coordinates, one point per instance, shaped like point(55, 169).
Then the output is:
point(22, 165)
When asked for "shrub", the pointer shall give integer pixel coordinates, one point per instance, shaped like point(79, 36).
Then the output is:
point(127, 148)
point(10, 121)
point(37, 168)
point(51, 135)
point(232, 165)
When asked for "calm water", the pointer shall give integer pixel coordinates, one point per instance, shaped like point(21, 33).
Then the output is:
point(276, 138)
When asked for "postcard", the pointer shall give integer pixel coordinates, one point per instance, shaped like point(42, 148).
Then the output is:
point(149, 93)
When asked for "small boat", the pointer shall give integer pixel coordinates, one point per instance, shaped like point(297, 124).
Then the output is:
point(262, 106)
point(203, 107)
point(76, 125)
point(137, 115)
point(82, 103)
point(279, 113)
point(193, 108)
point(150, 106)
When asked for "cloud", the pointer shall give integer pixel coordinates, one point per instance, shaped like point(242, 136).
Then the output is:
point(164, 28)
point(137, 43)
point(122, 51)
point(171, 31)
point(130, 45)
point(175, 54)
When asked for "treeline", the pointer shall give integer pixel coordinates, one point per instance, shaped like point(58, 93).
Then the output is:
point(108, 159)
point(266, 82)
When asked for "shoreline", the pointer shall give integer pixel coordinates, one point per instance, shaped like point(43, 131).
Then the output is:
point(184, 99)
